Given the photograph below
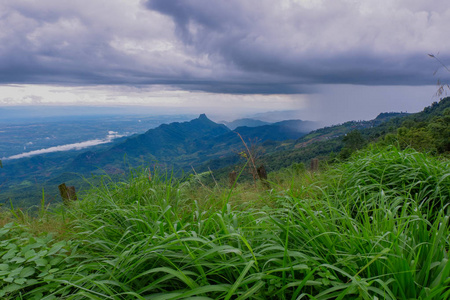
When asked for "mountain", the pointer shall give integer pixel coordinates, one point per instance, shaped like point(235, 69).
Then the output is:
point(171, 139)
point(184, 144)
point(277, 116)
point(340, 130)
point(320, 142)
point(247, 122)
point(200, 141)
point(163, 144)
point(428, 131)
point(280, 131)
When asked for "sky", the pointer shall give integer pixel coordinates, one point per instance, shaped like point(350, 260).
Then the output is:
point(329, 60)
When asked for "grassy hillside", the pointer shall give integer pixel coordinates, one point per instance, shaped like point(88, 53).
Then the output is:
point(374, 227)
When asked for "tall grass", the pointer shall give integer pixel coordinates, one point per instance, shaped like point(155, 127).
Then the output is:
point(376, 227)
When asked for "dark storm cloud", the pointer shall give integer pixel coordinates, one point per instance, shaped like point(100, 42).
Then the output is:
point(300, 43)
point(234, 46)
point(251, 88)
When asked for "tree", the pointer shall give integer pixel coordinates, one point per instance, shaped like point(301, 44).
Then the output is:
point(439, 128)
point(352, 141)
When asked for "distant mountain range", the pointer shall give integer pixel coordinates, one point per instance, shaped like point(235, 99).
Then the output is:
point(187, 143)
point(277, 116)
point(244, 122)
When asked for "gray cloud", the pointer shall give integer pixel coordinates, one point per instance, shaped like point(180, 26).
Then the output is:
point(331, 42)
point(234, 46)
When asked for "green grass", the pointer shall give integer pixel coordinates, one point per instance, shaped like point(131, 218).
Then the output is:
point(375, 227)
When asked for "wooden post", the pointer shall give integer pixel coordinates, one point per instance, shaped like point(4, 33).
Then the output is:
point(232, 177)
point(314, 165)
point(262, 173)
point(68, 193)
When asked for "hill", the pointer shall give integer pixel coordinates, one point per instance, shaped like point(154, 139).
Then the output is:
point(160, 144)
point(280, 153)
point(279, 131)
point(182, 145)
point(247, 122)
point(428, 130)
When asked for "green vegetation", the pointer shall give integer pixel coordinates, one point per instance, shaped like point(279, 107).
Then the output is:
point(206, 146)
point(29, 264)
point(372, 224)
point(427, 135)
point(426, 131)
point(373, 227)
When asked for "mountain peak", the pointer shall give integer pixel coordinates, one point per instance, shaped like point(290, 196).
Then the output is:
point(203, 117)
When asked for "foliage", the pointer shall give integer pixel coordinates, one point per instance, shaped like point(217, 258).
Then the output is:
point(404, 175)
point(376, 226)
point(428, 130)
point(30, 265)
point(251, 157)
point(320, 149)
point(352, 141)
